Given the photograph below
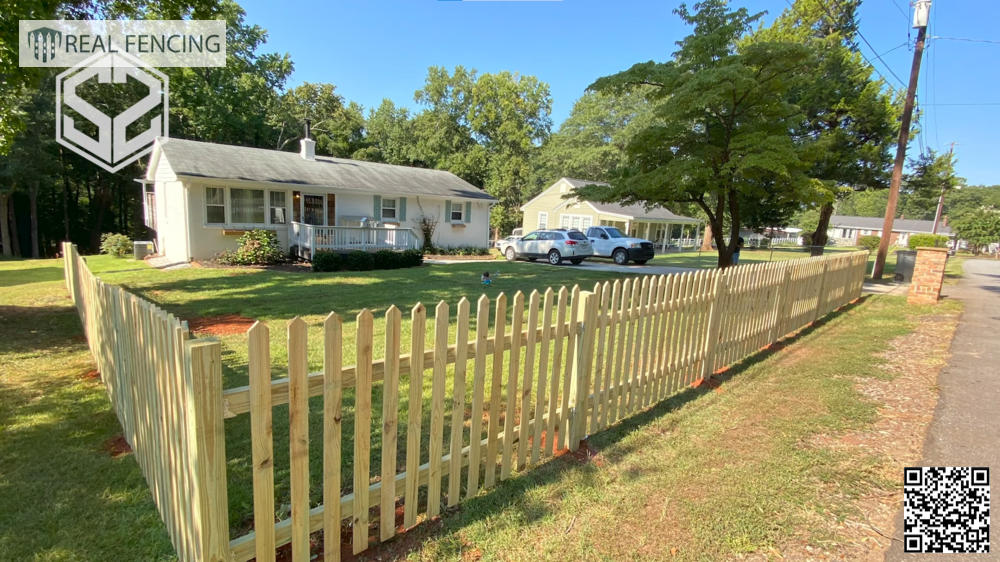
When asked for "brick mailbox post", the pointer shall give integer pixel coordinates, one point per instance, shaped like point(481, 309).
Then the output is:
point(928, 275)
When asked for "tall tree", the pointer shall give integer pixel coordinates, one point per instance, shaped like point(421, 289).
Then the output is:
point(933, 175)
point(979, 228)
point(850, 116)
point(338, 129)
point(389, 136)
point(722, 125)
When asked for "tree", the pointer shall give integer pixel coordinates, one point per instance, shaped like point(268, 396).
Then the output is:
point(338, 129)
point(721, 133)
point(932, 175)
point(979, 228)
point(849, 116)
point(389, 136)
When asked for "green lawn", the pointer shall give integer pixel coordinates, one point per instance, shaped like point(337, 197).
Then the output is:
point(709, 260)
point(62, 496)
point(54, 427)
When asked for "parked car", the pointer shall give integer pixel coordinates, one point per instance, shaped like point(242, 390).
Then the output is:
point(609, 242)
point(553, 245)
point(502, 243)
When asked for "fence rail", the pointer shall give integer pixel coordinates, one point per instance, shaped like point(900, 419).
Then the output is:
point(501, 398)
point(310, 239)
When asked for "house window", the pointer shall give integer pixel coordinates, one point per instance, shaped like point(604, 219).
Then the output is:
point(388, 209)
point(279, 208)
point(457, 212)
point(543, 220)
point(248, 206)
point(215, 205)
point(578, 222)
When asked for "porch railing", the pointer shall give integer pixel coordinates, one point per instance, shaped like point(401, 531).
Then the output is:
point(309, 238)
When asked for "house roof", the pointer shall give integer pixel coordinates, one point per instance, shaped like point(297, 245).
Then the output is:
point(222, 161)
point(898, 225)
point(633, 212)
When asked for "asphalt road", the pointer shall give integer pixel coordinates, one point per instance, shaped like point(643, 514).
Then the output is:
point(965, 430)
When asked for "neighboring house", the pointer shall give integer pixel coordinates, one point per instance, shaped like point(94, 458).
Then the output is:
point(846, 230)
point(551, 209)
point(199, 197)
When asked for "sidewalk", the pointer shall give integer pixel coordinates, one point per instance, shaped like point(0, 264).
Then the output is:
point(965, 430)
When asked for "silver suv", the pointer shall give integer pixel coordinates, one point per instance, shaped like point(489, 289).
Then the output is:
point(553, 245)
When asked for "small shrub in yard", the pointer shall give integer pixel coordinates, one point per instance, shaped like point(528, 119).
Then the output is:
point(117, 245)
point(462, 251)
point(927, 241)
point(870, 242)
point(386, 259)
point(358, 261)
point(326, 261)
point(256, 247)
point(412, 258)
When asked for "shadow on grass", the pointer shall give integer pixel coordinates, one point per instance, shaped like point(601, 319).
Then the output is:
point(513, 494)
point(15, 277)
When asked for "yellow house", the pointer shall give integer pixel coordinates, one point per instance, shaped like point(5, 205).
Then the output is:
point(551, 209)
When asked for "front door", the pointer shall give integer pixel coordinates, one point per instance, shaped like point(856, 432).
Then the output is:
point(312, 210)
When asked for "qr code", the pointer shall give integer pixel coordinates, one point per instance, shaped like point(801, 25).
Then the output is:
point(946, 509)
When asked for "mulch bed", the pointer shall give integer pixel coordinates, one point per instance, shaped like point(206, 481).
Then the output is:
point(222, 325)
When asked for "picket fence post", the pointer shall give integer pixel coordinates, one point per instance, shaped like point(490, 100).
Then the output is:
point(586, 326)
point(714, 318)
point(211, 503)
point(820, 304)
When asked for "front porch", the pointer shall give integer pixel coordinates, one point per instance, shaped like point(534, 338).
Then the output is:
point(306, 239)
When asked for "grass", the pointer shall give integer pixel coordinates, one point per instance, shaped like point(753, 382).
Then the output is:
point(62, 495)
point(55, 427)
point(706, 475)
point(709, 260)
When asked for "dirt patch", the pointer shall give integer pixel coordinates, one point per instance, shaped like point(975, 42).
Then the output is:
point(117, 447)
point(905, 407)
point(290, 267)
point(222, 325)
point(90, 375)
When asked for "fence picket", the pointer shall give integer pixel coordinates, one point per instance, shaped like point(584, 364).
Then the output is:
point(543, 367)
point(458, 403)
point(514, 364)
point(436, 446)
point(298, 427)
point(478, 388)
point(418, 326)
point(558, 341)
point(390, 417)
point(262, 439)
point(362, 429)
point(332, 420)
point(496, 390)
point(527, 384)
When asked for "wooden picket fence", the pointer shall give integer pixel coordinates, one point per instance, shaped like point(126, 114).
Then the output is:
point(169, 408)
point(571, 363)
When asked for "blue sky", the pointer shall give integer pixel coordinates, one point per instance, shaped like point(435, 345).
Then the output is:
point(375, 49)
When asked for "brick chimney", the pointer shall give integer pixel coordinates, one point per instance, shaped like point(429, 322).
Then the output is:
point(307, 148)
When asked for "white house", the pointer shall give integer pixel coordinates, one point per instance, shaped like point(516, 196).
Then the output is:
point(553, 209)
point(199, 197)
point(847, 230)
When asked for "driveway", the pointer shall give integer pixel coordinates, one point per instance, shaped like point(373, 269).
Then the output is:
point(589, 264)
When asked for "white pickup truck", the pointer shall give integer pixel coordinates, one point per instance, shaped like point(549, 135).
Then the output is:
point(609, 242)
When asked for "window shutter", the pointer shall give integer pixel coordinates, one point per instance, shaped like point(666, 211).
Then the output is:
point(378, 208)
point(447, 211)
point(402, 209)
point(467, 217)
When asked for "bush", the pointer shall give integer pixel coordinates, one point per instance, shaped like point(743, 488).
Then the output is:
point(462, 251)
point(411, 258)
point(870, 242)
point(358, 261)
point(117, 245)
point(386, 259)
point(326, 261)
point(927, 241)
point(256, 247)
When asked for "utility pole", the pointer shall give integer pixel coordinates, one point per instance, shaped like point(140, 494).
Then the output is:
point(937, 214)
point(921, 11)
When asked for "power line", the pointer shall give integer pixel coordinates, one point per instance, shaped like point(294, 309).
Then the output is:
point(906, 16)
point(970, 104)
point(826, 9)
point(966, 39)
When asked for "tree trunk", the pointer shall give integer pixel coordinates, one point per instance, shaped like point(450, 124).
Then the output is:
point(706, 241)
point(33, 205)
point(819, 237)
point(5, 224)
point(15, 237)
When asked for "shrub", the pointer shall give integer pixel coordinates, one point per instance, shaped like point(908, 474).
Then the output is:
point(326, 261)
point(358, 261)
point(117, 245)
point(256, 247)
point(386, 259)
point(462, 251)
point(870, 242)
point(927, 240)
point(411, 258)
